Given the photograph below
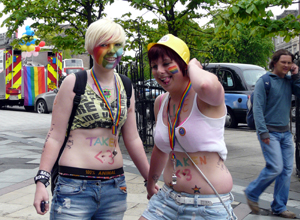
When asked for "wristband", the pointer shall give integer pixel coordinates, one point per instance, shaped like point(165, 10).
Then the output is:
point(43, 177)
point(44, 173)
point(44, 181)
point(145, 183)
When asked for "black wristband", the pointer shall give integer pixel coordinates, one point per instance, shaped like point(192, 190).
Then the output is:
point(43, 177)
point(145, 183)
point(44, 181)
point(44, 173)
point(40, 177)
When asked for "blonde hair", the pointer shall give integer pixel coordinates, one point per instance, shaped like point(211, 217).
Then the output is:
point(103, 31)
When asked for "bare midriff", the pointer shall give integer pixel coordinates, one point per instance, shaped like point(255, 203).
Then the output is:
point(92, 149)
point(190, 180)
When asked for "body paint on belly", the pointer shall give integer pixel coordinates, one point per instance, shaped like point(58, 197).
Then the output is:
point(100, 141)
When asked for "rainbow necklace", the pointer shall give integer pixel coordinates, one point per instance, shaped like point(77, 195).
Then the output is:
point(115, 119)
point(172, 128)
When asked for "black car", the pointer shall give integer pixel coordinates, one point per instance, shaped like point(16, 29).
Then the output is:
point(238, 81)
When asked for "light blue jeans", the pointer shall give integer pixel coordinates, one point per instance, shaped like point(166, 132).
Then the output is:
point(89, 199)
point(162, 207)
point(279, 157)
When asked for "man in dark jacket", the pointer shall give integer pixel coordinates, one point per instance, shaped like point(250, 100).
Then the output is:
point(271, 116)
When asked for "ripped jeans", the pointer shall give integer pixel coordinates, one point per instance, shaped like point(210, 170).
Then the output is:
point(89, 199)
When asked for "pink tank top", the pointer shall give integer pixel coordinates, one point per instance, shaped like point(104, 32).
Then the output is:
point(197, 133)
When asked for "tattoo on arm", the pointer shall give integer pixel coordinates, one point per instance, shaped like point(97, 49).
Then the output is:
point(155, 178)
point(47, 138)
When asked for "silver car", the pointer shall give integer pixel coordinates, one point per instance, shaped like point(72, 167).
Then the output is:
point(43, 103)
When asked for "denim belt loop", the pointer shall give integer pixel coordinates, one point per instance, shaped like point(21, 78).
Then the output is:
point(231, 196)
point(84, 183)
point(116, 182)
point(196, 201)
point(168, 193)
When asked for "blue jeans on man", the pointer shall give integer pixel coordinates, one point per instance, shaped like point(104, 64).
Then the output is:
point(279, 157)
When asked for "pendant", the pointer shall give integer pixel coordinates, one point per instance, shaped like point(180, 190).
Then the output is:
point(174, 179)
point(114, 153)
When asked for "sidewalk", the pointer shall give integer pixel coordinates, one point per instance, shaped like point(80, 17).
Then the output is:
point(18, 203)
point(21, 145)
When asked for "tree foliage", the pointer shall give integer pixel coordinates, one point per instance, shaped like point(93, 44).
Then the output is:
point(254, 13)
point(205, 42)
point(239, 31)
point(68, 18)
point(244, 48)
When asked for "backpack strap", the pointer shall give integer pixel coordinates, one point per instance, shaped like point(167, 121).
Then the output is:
point(79, 89)
point(267, 83)
point(128, 87)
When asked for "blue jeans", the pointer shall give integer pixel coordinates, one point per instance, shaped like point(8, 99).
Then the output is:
point(162, 207)
point(89, 199)
point(279, 157)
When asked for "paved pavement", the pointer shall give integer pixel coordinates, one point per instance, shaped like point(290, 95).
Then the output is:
point(22, 136)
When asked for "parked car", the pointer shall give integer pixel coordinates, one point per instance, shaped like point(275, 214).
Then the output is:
point(150, 87)
point(43, 103)
point(238, 81)
point(153, 89)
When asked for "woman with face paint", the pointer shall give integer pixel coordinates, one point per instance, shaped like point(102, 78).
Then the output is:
point(91, 182)
point(189, 139)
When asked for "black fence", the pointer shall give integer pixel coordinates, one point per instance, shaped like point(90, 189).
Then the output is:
point(145, 91)
point(297, 122)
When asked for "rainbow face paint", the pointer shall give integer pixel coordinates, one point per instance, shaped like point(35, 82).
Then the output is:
point(173, 69)
point(108, 55)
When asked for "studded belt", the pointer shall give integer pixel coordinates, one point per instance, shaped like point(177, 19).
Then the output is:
point(179, 199)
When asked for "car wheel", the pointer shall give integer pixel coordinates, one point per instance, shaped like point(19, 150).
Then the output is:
point(230, 121)
point(41, 106)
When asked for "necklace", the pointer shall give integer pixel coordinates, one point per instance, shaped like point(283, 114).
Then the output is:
point(115, 119)
point(172, 128)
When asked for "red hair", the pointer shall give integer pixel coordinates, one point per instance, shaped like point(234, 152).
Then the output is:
point(159, 51)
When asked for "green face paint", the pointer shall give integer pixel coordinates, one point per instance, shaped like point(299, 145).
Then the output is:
point(108, 55)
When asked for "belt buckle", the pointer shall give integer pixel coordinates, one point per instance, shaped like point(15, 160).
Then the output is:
point(177, 199)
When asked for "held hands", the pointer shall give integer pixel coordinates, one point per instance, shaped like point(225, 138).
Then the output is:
point(294, 69)
point(152, 191)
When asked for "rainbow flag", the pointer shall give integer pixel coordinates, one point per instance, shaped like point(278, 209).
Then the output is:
point(34, 83)
point(173, 69)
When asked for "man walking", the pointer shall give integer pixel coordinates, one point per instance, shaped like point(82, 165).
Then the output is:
point(271, 115)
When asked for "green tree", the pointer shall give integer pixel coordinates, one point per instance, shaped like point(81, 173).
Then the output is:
point(173, 16)
point(244, 48)
point(50, 15)
point(180, 18)
point(260, 19)
point(203, 41)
